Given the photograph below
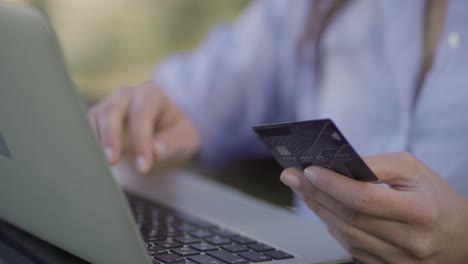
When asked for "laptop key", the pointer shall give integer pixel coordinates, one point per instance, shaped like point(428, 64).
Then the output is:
point(149, 244)
point(243, 240)
point(278, 254)
point(235, 248)
point(218, 241)
point(205, 259)
point(168, 244)
point(185, 261)
point(255, 256)
point(227, 257)
point(169, 258)
point(225, 233)
point(187, 240)
point(260, 247)
point(154, 250)
point(185, 251)
point(204, 247)
point(200, 233)
point(155, 238)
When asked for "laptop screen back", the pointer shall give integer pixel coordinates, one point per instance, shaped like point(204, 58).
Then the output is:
point(54, 182)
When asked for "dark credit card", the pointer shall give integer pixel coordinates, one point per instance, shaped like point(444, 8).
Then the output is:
point(316, 142)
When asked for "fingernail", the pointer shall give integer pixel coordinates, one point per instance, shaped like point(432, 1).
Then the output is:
point(109, 154)
point(291, 180)
point(141, 164)
point(160, 148)
point(311, 174)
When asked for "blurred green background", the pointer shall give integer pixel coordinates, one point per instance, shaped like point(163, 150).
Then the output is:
point(110, 43)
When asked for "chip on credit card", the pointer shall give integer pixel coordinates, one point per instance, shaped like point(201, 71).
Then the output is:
point(316, 142)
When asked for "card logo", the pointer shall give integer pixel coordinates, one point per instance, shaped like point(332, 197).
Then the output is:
point(283, 150)
point(336, 137)
point(4, 151)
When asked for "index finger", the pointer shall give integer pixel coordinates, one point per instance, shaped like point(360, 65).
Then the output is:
point(143, 112)
point(367, 198)
point(399, 170)
point(108, 118)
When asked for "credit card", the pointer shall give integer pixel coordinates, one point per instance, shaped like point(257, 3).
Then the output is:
point(315, 142)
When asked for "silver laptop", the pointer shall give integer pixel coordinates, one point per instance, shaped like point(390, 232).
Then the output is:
point(56, 184)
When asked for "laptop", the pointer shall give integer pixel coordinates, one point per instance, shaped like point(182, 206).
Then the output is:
point(56, 184)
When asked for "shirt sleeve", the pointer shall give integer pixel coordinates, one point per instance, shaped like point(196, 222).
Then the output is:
point(230, 83)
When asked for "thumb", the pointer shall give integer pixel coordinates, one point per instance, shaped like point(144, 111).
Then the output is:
point(177, 142)
point(395, 169)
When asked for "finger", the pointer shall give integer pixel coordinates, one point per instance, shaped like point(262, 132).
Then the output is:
point(401, 170)
point(358, 255)
point(363, 197)
point(109, 119)
point(357, 242)
point(92, 116)
point(143, 111)
point(293, 178)
point(393, 232)
point(178, 142)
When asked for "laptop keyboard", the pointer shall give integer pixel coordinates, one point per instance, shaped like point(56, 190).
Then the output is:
point(174, 237)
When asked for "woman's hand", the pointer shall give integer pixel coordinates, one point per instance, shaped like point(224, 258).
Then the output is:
point(418, 218)
point(157, 130)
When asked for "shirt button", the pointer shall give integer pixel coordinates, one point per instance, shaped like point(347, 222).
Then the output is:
point(454, 39)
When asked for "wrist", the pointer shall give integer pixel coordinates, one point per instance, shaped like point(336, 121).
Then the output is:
point(465, 229)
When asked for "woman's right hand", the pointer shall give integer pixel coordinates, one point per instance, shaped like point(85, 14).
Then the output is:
point(158, 131)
